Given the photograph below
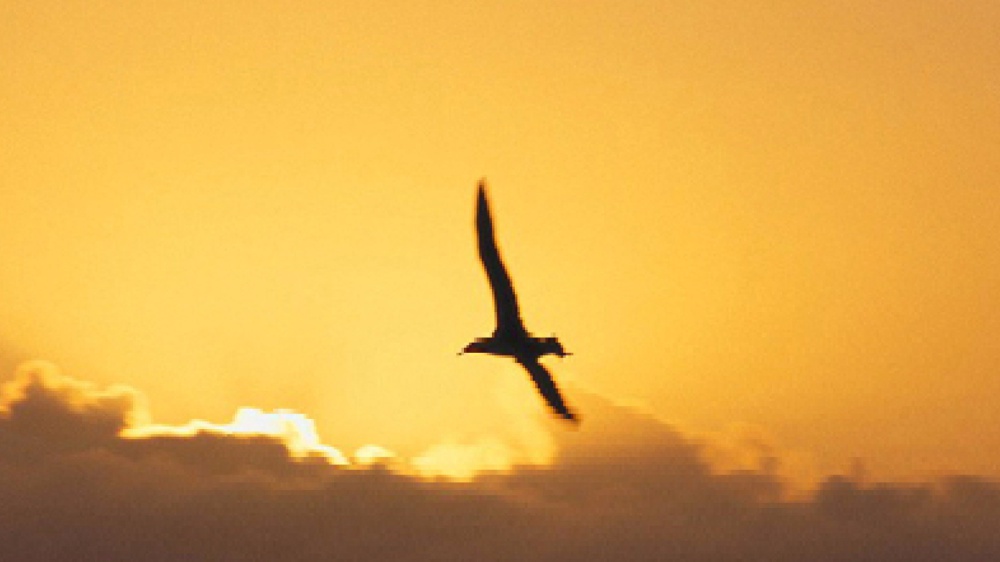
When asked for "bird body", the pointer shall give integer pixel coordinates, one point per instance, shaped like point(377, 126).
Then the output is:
point(511, 338)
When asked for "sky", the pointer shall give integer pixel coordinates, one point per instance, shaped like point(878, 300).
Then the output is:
point(769, 233)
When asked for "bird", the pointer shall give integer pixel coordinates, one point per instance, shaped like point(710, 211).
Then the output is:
point(511, 338)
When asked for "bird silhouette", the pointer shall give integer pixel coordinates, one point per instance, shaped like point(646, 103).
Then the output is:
point(511, 338)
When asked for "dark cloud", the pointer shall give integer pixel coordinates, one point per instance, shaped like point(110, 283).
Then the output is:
point(624, 487)
point(45, 413)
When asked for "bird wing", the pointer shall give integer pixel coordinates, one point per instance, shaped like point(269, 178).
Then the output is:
point(504, 300)
point(547, 387)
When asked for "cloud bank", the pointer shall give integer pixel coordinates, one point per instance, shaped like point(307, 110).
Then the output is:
point(84, 477)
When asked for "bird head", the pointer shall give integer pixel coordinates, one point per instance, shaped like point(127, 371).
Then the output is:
point(479, 345)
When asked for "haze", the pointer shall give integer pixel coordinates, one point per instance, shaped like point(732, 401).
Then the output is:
point(782, 215)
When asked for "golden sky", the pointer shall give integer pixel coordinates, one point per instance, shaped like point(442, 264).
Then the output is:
point(782, 215)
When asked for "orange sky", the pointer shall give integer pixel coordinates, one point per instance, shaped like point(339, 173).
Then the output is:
point(785, 215)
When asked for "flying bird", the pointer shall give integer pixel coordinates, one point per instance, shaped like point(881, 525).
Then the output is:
point(511, 338)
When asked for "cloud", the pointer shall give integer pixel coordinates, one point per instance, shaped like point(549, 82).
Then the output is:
point(44, 413)
point(80, 479)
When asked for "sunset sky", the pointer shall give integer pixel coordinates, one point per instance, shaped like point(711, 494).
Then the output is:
point(759, 226)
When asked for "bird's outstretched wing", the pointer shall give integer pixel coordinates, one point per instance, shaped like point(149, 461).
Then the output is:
point(504, 299)
point(547, 387)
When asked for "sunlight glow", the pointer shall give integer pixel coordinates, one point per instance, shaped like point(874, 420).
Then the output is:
point(372, 455)
point(296, 431)
point(449, 460)
point(463, 462)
